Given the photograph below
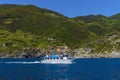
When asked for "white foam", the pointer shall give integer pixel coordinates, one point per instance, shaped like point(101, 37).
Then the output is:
point(41, 62)
point(35, 62)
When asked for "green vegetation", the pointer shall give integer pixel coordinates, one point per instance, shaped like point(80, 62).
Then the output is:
point(23, 26)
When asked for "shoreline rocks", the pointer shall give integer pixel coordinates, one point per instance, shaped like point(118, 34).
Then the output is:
point(79, 53)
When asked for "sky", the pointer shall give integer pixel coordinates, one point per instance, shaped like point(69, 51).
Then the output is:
point(73, 8)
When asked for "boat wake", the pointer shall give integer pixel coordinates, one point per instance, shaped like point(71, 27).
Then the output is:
point(46, 61)
point(35, 62)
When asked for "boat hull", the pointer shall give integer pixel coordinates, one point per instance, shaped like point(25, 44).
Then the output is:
point(55, 61)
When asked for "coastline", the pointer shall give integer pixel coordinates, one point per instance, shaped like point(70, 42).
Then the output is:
point(112, 54)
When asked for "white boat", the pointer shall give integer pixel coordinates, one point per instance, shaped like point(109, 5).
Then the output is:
point(57, 60)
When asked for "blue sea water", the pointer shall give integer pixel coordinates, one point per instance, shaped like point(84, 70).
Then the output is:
point(81, 69)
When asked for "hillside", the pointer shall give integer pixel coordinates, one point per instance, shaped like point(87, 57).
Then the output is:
point(29, 27)
point(90, 18)
point(48, 28)
point(108, 37)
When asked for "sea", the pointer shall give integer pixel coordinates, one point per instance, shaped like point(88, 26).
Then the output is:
point(80, 69)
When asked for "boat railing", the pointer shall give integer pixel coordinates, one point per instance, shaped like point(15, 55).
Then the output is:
point(56, 57)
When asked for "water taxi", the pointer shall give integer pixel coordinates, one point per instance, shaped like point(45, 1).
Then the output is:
point(55, 59)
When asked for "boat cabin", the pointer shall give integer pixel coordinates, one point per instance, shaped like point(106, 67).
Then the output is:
point(55, 56)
